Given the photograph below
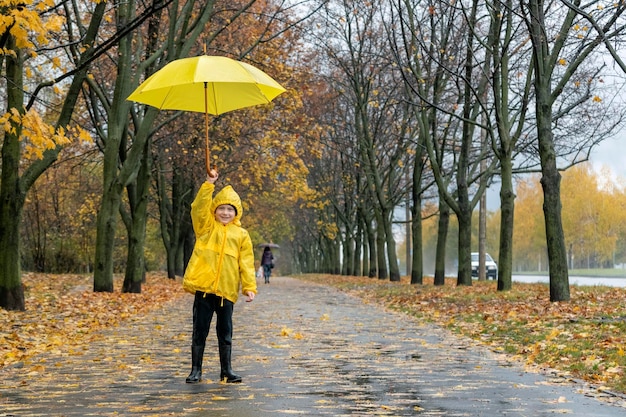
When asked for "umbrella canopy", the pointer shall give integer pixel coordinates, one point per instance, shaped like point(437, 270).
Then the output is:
point(207, 84)
point(269, 245)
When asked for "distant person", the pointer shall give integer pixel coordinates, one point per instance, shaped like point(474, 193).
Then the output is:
point(222, 261)
point(267, 262)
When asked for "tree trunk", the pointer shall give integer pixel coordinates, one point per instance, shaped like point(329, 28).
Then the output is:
point(465, 247)
point(507, 136)
point(372, 258)
point(336, 250)
point(482, 235)
point(166, 220)
point(442, 238)
point(358, 246)
point(345, 256)
point(114, 183)
point(464, 208)
point(188, 240)
point(417, 258)
point(507, 211)
point(11, 193)
point(550, 177)
point(349, 243)
point(394, 268)
point(557, 254)
point(106, 225)
point(135, 262)
point(381, 261)
point(11, 290)
point(417, 261)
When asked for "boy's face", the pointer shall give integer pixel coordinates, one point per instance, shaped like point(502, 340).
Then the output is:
point(225, 213)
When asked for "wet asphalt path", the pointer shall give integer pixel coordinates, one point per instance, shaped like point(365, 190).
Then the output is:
point(302, 349)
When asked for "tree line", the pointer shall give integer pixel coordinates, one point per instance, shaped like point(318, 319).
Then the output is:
point(434, 101)
point(593, 224)
point(391, 103)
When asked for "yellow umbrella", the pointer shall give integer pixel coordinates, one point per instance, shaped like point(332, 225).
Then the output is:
point(207, 84)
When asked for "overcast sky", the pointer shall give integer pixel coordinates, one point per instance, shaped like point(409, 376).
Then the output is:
point(612, 153)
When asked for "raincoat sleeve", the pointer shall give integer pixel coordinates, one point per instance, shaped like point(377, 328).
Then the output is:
point(246, 266)
point(201, 216)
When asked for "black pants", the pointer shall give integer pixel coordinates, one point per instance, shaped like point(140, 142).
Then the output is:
point(204, 305)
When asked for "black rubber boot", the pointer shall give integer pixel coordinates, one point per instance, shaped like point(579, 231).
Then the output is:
point(197, 352)
point(227, 372)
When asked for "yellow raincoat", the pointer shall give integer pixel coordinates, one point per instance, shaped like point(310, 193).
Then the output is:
point(223, 257)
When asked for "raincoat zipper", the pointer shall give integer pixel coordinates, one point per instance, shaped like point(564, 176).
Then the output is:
point(219, 264)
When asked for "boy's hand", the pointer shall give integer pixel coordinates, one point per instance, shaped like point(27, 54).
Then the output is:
point(250, 296)
point(212, 176)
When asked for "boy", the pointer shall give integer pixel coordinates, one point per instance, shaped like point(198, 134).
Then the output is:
point(222, 261)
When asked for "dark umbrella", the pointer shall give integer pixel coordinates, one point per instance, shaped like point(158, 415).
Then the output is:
point(268, 245)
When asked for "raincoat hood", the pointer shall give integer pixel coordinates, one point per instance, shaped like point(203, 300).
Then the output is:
point(228, 196)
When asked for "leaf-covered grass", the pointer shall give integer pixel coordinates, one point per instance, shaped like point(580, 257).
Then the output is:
point(584, 338)
point(63, 313)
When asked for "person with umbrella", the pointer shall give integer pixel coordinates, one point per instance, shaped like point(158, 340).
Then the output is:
point(267, 262)
point(213, 85)
point(221, 263)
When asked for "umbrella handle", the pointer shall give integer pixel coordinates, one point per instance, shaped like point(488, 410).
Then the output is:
point(207, 160)
point(207, 152)
point(210, 170)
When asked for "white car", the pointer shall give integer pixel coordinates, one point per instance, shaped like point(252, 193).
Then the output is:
point(490, 266)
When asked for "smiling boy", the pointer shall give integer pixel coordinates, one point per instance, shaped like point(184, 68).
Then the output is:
point(222, 262)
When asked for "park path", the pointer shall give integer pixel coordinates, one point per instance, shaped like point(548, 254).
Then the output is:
point(302, 349)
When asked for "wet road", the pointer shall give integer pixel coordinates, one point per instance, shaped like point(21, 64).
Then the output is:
point(575, 280)
point(302, 349)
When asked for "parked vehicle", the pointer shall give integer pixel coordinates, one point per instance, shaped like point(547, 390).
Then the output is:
point(490, 266)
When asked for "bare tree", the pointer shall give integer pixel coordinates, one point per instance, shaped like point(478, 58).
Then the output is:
point(560, 46)
point(355, 43)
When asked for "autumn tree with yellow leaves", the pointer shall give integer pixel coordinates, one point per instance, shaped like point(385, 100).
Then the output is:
point(593, 221)
point(528, 229)
point(257, 150)
point(243, 150)
point(273, 148)
point(125, 132)
point(42, 89)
